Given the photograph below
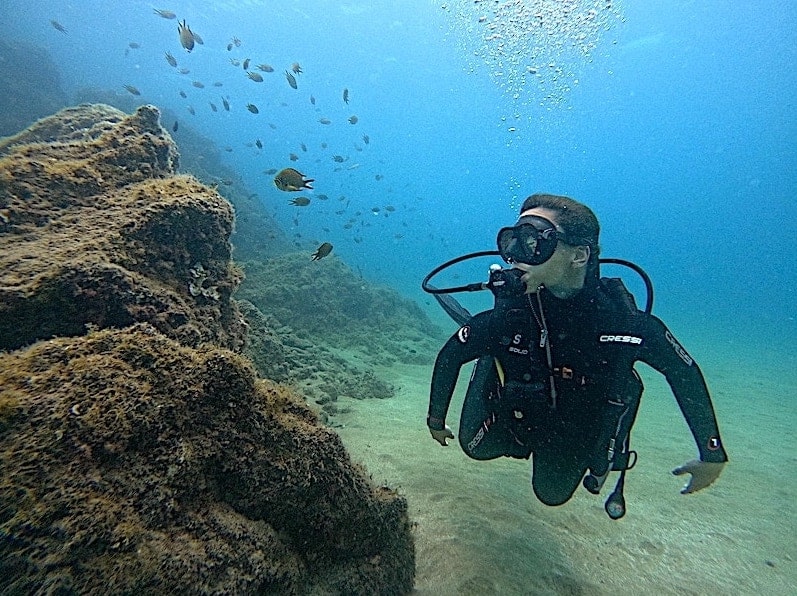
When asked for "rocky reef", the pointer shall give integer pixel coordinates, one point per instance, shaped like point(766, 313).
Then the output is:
point(96, 229)
point(256, 233)
point(325, 300)
point(139, 450)
point(133, 464)
point(302, 314)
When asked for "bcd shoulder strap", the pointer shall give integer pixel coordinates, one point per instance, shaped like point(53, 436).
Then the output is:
point(619, 294)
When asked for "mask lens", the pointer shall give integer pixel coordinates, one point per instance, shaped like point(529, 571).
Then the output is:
point(533, 241)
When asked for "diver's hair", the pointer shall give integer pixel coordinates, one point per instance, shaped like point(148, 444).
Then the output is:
point(576, 219)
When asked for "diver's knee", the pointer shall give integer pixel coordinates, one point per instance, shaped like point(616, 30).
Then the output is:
point(552, 499)
point(553, 494)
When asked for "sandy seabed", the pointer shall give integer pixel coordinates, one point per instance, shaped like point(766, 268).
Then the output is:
point(480, 530)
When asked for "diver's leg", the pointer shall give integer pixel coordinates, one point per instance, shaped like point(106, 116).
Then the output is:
point(616, 422)
point(556, 474)
point(482, 432)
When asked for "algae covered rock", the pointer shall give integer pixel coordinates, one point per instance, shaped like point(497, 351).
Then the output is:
point(326, 301)
point(323, 330)
point(137, 453)
point(96, 229)
point(132, 464)
point(286, 355)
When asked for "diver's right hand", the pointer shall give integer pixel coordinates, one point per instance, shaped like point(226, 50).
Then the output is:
point(441, 435)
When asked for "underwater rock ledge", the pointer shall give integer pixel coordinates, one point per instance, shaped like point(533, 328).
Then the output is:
point(137, 452)
point(133, 464)
point(96, 229)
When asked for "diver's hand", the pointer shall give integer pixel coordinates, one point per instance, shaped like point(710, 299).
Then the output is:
point(441, 435)
point(703, 473)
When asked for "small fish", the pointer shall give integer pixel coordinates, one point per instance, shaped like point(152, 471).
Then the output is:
point(325, 121)
point(182, 94)
point(186, 37)
point(229, 47)
point(366, 139)
point(312, 99)
point(353, 120)
point(339, 158)
point(345, 96)
point(198, 84)
point(252, 108)
point(265, 67)
point(171, 59)
point(293, 157)
point(390, 208)
point(270, 171)
point(175, 126)
point(235, 62)
point(375, 210)
point(300, 202)
point(218, 84)
point(321, 252)
point(166, 14)
point(191, 110)
point(58, 26)
point(291, 79)
point(272, 126)
point(213, 106)
point(236, 42)
point(258, 144)
point(256, 77)
point(132, 89)
point(322, 197)
point(225, 103)
point(183, 70)
point(133, 45)
point(303, 147)
point(296, 68)
point(291, 180)
point(246, 64)
point(198, 39)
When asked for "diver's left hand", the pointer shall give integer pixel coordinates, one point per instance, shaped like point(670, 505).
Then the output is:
point(703, 473)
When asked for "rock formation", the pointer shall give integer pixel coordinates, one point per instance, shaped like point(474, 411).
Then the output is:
point(138, 454)
point(132, 464)
point(97, 230)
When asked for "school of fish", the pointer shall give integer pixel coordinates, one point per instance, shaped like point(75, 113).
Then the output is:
point(286, 179)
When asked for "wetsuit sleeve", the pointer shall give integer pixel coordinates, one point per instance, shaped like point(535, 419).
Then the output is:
point(664, 353)
point(468, 343)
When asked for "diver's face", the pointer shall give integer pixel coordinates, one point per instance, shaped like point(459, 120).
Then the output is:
point(556, 272)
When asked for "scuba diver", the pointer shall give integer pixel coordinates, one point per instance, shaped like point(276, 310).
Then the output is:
point(555, 377)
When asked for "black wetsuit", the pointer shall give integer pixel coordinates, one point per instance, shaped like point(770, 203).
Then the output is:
point(594, 339)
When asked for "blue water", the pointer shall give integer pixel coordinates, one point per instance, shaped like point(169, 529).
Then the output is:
point(678, 127)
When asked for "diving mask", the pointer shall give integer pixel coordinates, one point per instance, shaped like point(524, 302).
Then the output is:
point(532, 240)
